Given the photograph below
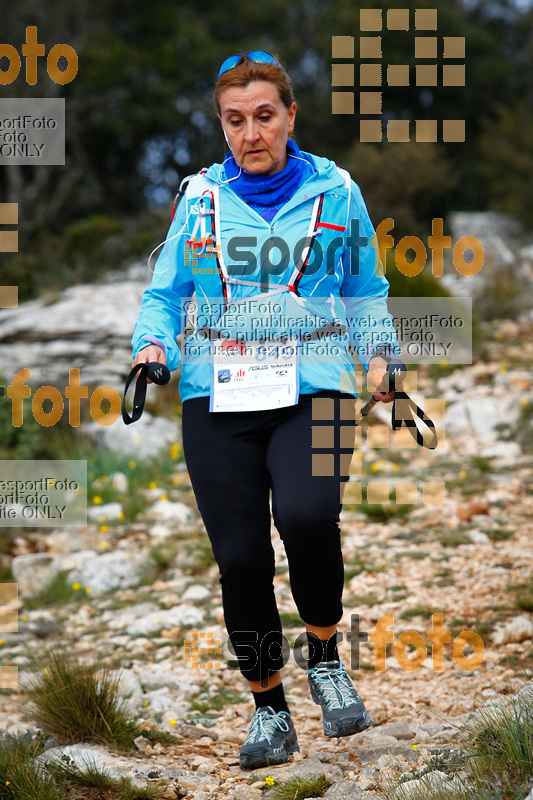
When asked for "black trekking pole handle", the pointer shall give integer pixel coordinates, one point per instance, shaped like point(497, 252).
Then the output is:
point(153, 370)
point(396, 371)
point(407, 409)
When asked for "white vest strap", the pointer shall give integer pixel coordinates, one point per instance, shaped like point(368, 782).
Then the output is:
point(200, 186)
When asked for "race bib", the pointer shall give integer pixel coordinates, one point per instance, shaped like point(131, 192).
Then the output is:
point(253, 376)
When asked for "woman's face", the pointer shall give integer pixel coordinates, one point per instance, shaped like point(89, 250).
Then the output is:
point(257, 125)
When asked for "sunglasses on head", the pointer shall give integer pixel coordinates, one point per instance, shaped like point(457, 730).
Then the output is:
point(259, 56)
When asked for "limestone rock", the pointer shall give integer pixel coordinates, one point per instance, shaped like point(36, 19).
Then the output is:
point(478, 537)
point(168, 511)
point(480, 414)
point(106, 512)
point(343, 790)
point(179, 680)
point(142, 440)
point(34, 571)
point(116, 570)
point(195, 592)
point(179, 615)
point(81, 328)
point(515, 630)
point(400, 730)
point(366, 754)
point(436, 781)
point(306, 768)
point(244, 792)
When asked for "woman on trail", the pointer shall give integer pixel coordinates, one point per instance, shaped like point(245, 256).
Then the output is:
point(276, 245)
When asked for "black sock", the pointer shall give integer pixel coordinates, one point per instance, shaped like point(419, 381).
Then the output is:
point(321, 649)
point(272, 697)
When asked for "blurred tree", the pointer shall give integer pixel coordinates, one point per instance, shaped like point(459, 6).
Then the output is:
point(139, 116)
point(138, 112)
point(406, 181)
point(507, 149)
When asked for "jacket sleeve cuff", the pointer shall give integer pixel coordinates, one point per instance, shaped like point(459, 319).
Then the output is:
point(157, 342)
point(169, 347)
point(377, 349)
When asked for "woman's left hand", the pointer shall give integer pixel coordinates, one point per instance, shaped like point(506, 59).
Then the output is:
point(377, 368)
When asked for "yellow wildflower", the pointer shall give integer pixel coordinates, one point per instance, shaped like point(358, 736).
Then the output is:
point(132, 464)
point(172, 722)
point(76, 586)
point(88, 590)
point(269, 780)
point(97, 500)
point(152, 485)
point(104, 528)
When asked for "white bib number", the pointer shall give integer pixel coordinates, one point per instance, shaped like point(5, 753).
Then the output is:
point(253, 376)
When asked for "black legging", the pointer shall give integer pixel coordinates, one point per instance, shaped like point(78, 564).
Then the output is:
point(234, 459)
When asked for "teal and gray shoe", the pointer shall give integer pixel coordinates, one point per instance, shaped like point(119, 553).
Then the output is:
point(270, 740)
point(343, 711)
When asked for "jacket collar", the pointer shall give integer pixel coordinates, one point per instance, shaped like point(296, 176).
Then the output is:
point(327, 177)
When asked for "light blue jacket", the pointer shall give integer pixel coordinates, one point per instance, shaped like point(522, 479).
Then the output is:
point(342, 282)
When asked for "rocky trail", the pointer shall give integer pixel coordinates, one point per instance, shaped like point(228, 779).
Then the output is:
point(147, 589)
point(459, 558)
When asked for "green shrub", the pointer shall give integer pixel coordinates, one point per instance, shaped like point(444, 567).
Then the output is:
point(58, 592)
point(23, 442)
point(85, 235)
point(506, 148)
point(76, 701)
point(523, 595)
point(21, 777)
point(407, 182)
point(299, 788)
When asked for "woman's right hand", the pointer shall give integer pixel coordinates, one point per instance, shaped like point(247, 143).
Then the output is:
point(150, 353)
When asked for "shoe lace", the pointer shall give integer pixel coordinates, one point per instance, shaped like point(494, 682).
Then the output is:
point(264, 726)
point(335, 686)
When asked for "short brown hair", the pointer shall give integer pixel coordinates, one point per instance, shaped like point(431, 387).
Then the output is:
point(245, 71)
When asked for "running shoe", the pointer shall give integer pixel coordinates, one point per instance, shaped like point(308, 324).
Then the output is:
point(343, 711)
point(270, 740)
